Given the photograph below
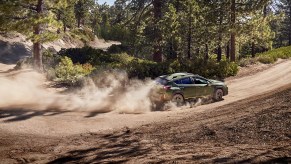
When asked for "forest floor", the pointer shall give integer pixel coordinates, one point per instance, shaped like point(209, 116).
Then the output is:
point(252, 124)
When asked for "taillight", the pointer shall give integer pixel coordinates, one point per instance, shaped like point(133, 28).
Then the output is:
point(167, 87)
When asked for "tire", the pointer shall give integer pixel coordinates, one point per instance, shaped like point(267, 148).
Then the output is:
point(218, 95)
point(178, 99)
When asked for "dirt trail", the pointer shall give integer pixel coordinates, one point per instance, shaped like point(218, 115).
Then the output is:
point(6, 67)
point(252, 124)
point(48, 123)
point(252, 130)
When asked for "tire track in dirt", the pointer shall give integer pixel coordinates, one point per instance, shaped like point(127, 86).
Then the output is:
point(69, 123)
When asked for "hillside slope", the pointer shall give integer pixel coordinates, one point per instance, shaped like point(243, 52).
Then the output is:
point(15, 46)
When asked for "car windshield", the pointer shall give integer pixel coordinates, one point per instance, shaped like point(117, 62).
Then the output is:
point(161, 80)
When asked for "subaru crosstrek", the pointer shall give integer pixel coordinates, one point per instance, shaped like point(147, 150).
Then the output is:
point(180, 87)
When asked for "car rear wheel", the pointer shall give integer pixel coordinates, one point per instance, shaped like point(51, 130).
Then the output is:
point(178, 99)
point(218, 95)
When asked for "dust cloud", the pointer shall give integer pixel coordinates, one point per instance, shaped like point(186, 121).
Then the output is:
point(108, 92)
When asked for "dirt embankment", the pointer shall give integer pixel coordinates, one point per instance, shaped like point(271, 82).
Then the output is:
point(15, 46)
point(257, 129)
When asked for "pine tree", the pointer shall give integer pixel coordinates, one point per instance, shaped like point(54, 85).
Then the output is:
point(157, 15)
point(33, 18)
point(285, 30)
point(82, 8)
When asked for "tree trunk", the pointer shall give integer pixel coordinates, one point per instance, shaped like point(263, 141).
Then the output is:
point(189, 39)
point(265, 12)
point(59, 18)
point(219, 53)
point(79, 22)
point(227, 51)
point(219, 49)
point(197, 51)
point(157, 55)
point(37, 55)
point(206, 57)
point(253, 49)
point(232, 35)
point(65, 28)
point(177, 6)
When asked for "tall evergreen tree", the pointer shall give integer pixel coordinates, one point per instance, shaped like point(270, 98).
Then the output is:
point(82, 8)
point(285, 30)
point(33, 18)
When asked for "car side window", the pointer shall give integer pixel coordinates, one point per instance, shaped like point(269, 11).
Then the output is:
point(186, 81)
point(200, 81)
point(177, 81)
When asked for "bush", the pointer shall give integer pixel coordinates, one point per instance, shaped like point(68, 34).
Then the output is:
point(209, 69)
point(88, 55)
point(117, 49)
point(69, 73)
point(266, 59)
point(247, 61)
point(85, 34)
point(273, 55)
point(141, 68)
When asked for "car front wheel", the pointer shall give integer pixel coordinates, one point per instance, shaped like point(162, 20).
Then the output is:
point(218, 95)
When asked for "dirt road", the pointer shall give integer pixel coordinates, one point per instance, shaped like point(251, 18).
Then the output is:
point(56, 130)
point(67, 123)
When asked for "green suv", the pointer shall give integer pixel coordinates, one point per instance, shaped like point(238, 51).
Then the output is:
point(179, 87)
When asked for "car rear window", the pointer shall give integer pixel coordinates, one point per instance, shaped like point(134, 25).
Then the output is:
point(161, 81)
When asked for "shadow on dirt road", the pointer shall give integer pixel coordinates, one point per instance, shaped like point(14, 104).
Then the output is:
point(117, 148)
point(17, 114)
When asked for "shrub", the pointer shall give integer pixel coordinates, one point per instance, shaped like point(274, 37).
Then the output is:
point(246, 62)
point(88, 55)
point(117, 49)
point(232, 69)
point(273, 55)
point(141, 68)
point(69, 73)
point(266, 59)
point(85, 34)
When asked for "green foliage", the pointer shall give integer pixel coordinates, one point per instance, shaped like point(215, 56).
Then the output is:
point(67, 15)
point(85, 35)
point(142, 68)
point(268, 57)
point(226, 69)
point(70, 73)
point(210, 69)
point(21, 16)
point(246, 61)
point(273, 55)
point(282, 26)
point(82, 9)
point(116, 49)
point(90, 55)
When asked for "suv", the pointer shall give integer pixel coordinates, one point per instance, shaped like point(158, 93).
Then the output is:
point(179, 87)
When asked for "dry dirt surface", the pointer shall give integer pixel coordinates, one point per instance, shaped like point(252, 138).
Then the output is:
point(252, 125)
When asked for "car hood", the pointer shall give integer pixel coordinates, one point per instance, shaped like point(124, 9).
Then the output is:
point(216, 82)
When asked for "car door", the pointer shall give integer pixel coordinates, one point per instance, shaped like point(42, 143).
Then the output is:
point(202, 87)
point(187, 87)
